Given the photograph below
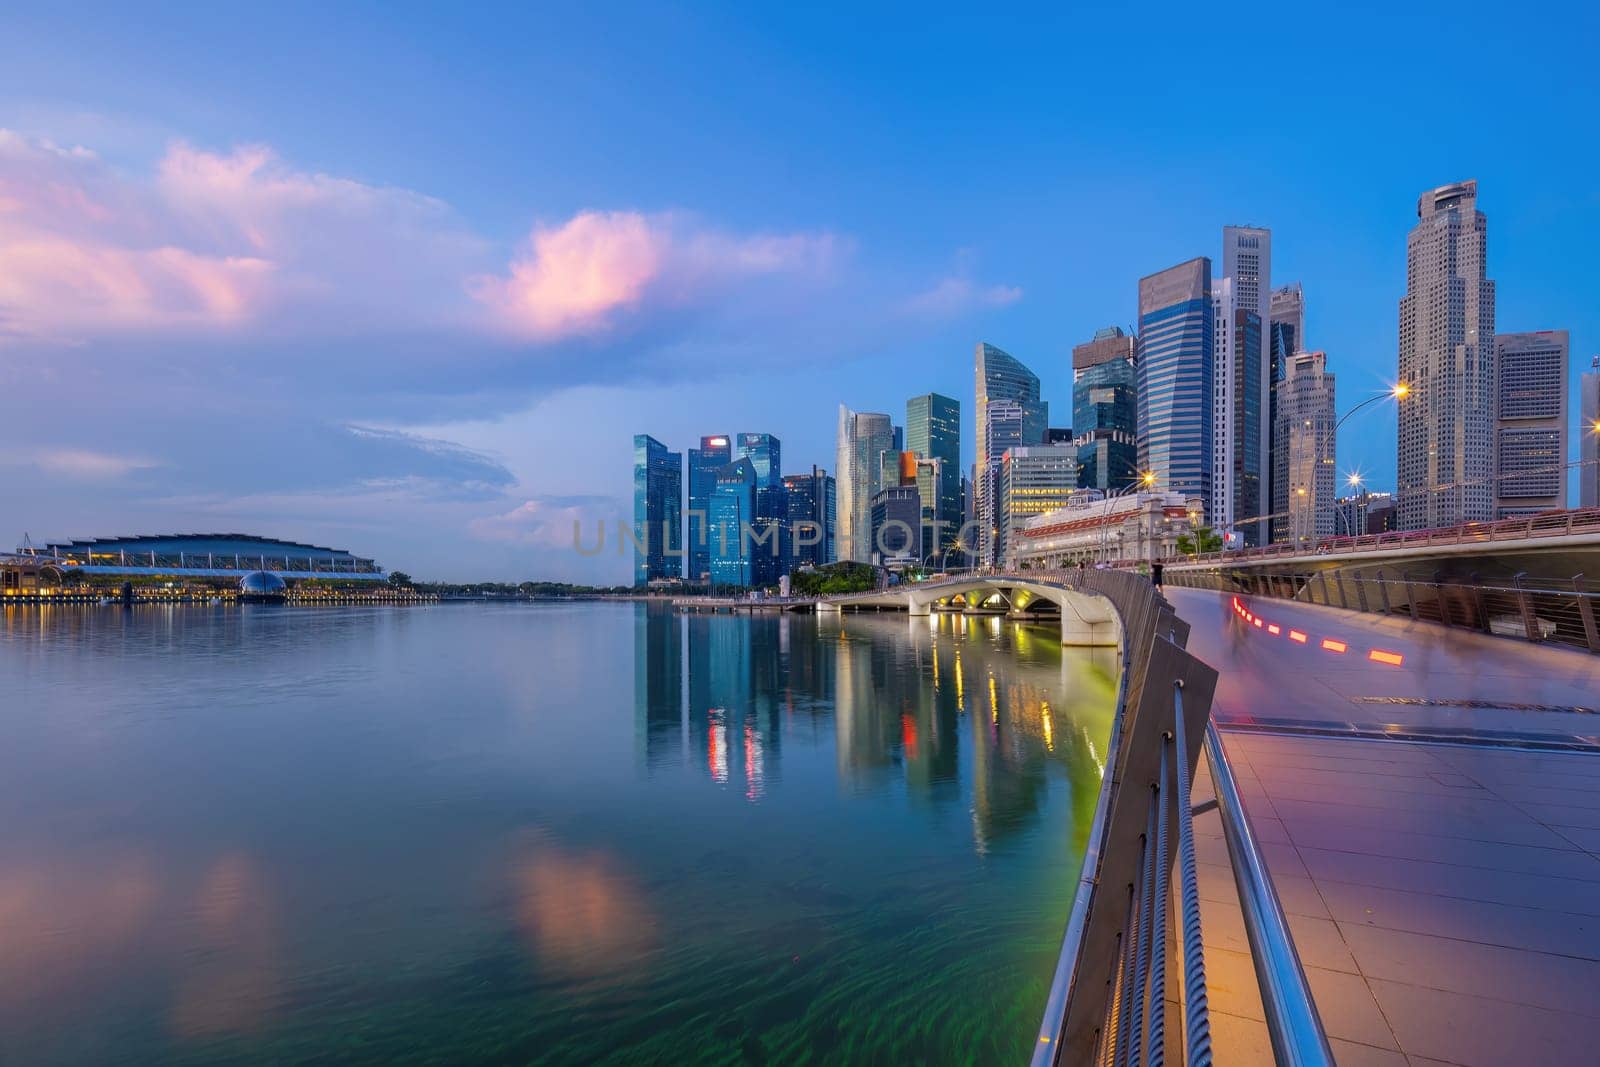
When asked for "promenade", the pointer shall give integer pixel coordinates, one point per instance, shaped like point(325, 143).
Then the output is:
point(1428, 802)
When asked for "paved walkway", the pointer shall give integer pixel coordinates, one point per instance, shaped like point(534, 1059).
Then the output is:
point(1445, 898)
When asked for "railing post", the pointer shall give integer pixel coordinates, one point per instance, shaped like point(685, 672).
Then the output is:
point(1530, 621)
point(1411, 598)
point(1586, 610)
point(1383, 593)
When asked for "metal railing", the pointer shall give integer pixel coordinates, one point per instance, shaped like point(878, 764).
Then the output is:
point(1567, 523)
point(1554, 611)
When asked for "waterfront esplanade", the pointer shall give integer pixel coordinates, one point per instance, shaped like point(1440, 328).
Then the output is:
point(208, 556)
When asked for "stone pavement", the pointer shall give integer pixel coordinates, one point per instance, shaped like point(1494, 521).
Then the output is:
point(1444, 898)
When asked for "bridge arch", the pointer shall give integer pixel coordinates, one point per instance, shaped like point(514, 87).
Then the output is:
point(1087, 619)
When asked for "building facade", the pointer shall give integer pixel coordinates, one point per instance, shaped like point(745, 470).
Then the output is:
point(1092, 528)
point(1530, 432)
point(896, 516)
point(1003, 425)
point(1105, 410)
point(1034, 479)
point(1000, 376)
point(1305, 475)
point(1363, 513)
point(657, 507)
point(811, 506)
point(714, 453)
point(933, 433)
point(1242, 302)
point(770, 531)
point(1176, 379)
point(1589, 436)
point(733, 507)
point(1445, 446)
point(863, 438)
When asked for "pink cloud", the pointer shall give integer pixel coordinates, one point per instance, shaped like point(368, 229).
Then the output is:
point(588, 274)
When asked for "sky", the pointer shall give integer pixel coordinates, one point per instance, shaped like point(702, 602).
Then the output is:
point(406, 280)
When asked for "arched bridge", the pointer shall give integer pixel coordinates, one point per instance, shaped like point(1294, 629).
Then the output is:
point(1088, 617)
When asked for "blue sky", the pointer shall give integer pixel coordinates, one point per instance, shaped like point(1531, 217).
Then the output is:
point(407, 280)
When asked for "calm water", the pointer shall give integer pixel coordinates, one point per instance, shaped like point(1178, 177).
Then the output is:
point(534, 834)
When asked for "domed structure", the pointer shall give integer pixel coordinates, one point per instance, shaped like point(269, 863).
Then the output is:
point(262, 587)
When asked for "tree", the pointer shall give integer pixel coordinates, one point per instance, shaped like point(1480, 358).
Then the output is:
point(1204, 541)
point(400, 579)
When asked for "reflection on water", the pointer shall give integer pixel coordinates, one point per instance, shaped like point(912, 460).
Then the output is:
point(565, 834)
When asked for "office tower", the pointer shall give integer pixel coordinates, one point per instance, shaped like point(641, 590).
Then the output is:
point(713, 454)
point(770, 534)
point(896, 518)
point(1589, 436)
point(1241, 436)
point(810, 503)
point(863, 438)
point(1286, 335)
point(1304, 478)
point(933, 432)
point(733, 509)
point(1034, 479)
point(1001, 376)
point(1364, 513)
point(1445, 455)
point(1530, 435)
point(1004, 423)
point(657, 503)
point(1176, 378)
point(1108, 345)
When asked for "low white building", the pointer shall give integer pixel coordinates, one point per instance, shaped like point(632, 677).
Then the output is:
point(1135, 526)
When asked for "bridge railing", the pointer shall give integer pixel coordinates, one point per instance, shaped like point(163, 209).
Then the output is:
point(1565, 523)
point(1107, 1003)
point(1544, 610)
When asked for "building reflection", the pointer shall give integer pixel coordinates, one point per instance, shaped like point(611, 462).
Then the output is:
point(978, 713)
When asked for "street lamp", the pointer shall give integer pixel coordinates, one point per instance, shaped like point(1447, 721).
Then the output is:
point(1147, 480)
point(1354, 480)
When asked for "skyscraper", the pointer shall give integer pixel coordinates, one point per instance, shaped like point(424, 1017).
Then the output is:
point(933, 433)
point(1286, 335)
point(1589, 436)
point(733, 506)
point(811, 505)
point(1034, 479)
point(1445, 454)
point(1105, 410)
point(1530, 436)
point(769, 542)
point(657, 504)
point(1177, 378)
point(1241, 436)
point(1305, 475)
point(713, 454)
point(1003, 425)
point(863, 438)
point(1001, 376)
point(895, 514)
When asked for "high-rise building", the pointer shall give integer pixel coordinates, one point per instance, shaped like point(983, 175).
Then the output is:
point(1530, 434)
point(1286, 335)
point(933, 433)
point(733, 507)
point(1446, 433)
point(713, 454)
point(896, 517)
point(1241, 435)
point(1105, 409)
point(1034, 479)
point(1589, 435)
point(770, 538)
point(1177, 370)
point(1004, 423)
point(657, 507)
point(1305, 475)
point(1001, 376)
point(863, 438)
point(1364, 513)
point(811, 506)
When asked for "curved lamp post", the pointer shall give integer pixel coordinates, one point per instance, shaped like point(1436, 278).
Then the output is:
point(1147, 480)
point(1398, 392)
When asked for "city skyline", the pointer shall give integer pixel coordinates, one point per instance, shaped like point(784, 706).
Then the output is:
point(395, 406)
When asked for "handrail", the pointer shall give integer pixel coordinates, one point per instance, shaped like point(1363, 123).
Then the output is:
point(1293, 1024)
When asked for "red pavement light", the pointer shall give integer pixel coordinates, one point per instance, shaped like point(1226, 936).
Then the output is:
point(1273, 629)
point(1296, 635)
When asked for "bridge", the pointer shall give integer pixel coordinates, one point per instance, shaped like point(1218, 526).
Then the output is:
point(1389, 851)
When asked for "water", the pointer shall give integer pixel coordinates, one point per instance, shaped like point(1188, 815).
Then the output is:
point(580, 834)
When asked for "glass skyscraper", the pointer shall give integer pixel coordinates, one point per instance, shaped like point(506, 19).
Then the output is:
point(1105, 411)
point(713, 454)
point(733, 507)
point(864, 437)
point(1177, 379)
point(769, 543)
point(812, 506)
point(657, 508)
point(1001, 376)
point(933, 433)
